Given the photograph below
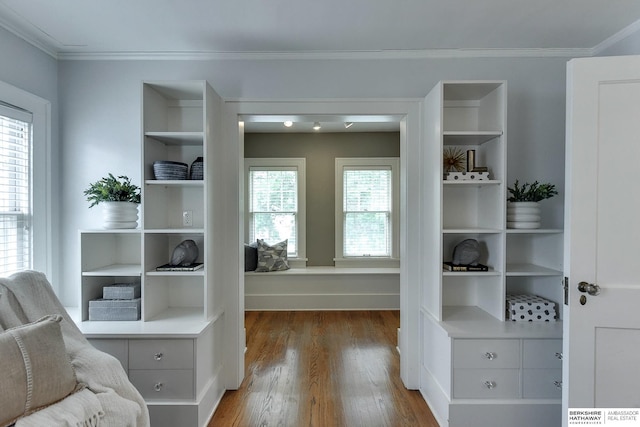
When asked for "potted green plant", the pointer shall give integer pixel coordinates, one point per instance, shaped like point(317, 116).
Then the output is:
point(523, 209)
point(119, 198)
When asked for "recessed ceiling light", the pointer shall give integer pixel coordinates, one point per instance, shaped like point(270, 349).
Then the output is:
point(288, 123)
point(316, 126)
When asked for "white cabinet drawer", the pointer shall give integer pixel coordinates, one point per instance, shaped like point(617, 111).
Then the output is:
point(490, 354)
point(542, 354)
point(161, 354)
point(486, 383)
point(116, 347)
point(542, 383)
point(160, 384)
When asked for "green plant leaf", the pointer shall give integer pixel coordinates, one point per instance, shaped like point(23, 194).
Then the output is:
point(531, 192)
point(112, 189)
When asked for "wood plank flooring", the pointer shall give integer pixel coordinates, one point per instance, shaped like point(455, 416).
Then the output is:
point(322, 369)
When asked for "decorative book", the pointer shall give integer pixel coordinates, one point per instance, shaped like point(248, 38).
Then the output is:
point(449, 266)
point(190, 267)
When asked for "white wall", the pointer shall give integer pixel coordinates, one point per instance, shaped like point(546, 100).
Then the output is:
point(95, 121)
point(31, 70)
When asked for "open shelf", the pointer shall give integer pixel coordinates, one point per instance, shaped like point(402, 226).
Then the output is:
point(177, 182)
point(452, 137)
point(473, 182)
point(177, 138)
point(115, 270)
point(473, 322)
point(524, 269)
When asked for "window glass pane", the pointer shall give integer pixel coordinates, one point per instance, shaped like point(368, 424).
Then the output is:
point(15, 195)
point(367, 212)
point(273, 191)
point(273, 206)
point(276, 227)
point(367, 190)
point(366, 234)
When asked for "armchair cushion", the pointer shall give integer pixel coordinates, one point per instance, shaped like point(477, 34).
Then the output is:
point(36, 368)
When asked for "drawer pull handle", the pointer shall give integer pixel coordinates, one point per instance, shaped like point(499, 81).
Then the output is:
point(490, 384)
point(158, 356)
point(158, 386)
point(558, 384)
point(559, 355)
point(490, 355)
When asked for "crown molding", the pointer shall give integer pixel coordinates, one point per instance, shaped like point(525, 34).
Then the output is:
point(329, 55)
point(19, 31)
point(617, 37)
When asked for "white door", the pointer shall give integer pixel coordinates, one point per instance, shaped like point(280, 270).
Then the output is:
point(602, 238)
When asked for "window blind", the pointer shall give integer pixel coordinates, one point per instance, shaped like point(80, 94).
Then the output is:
point(15, 189)
point(273, 205)
point(367, 202)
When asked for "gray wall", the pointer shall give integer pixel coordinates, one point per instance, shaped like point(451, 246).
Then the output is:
point(28, 68)
point(101, 104)
point(320, 150)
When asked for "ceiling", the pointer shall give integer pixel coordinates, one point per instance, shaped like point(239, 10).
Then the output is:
point(275, 29)
point(328, 123)
point(74, 29)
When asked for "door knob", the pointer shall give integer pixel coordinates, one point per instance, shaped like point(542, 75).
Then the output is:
point(590, 288)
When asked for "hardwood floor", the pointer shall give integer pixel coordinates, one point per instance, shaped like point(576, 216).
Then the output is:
point(321, 369)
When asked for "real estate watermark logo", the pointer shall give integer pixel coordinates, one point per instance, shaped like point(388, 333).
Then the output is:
point(604, 416)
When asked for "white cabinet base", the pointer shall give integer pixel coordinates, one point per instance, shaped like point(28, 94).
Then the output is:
point(488, 373)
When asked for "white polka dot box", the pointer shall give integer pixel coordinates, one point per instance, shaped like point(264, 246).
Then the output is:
point(530, 308)
point(466, 176)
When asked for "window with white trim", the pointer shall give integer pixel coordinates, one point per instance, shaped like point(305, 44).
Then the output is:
point(367, 207)
point(15, 190)
point(275, 201)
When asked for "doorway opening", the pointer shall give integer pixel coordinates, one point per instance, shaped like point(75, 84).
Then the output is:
point(403, 115)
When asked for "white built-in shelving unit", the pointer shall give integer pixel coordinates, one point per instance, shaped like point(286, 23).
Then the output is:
point(173, 354)
point(478, 368)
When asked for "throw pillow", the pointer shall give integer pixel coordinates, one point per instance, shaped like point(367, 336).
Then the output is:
point(272, 257)
point(250, 256)
point(36, 370)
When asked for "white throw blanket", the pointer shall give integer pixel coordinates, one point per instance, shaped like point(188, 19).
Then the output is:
point(28, 296)
point(81, 409)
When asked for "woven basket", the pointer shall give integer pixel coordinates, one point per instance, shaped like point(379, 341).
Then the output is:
point(168, 170)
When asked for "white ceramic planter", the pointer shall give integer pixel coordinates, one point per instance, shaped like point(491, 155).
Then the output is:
point(120, 214)
point(523, 215)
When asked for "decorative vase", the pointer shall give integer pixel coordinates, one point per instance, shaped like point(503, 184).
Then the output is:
point(120, 214)
point(523, 215)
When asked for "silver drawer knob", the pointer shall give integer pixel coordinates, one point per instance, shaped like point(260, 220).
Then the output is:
point(490, 355)
point(158, 386)
point(558, 384)
point(158, 356)
point(490, 384)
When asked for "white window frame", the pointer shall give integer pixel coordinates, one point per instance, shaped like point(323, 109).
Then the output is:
point(365, 163)
point(41, 186)
point(299, 164)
